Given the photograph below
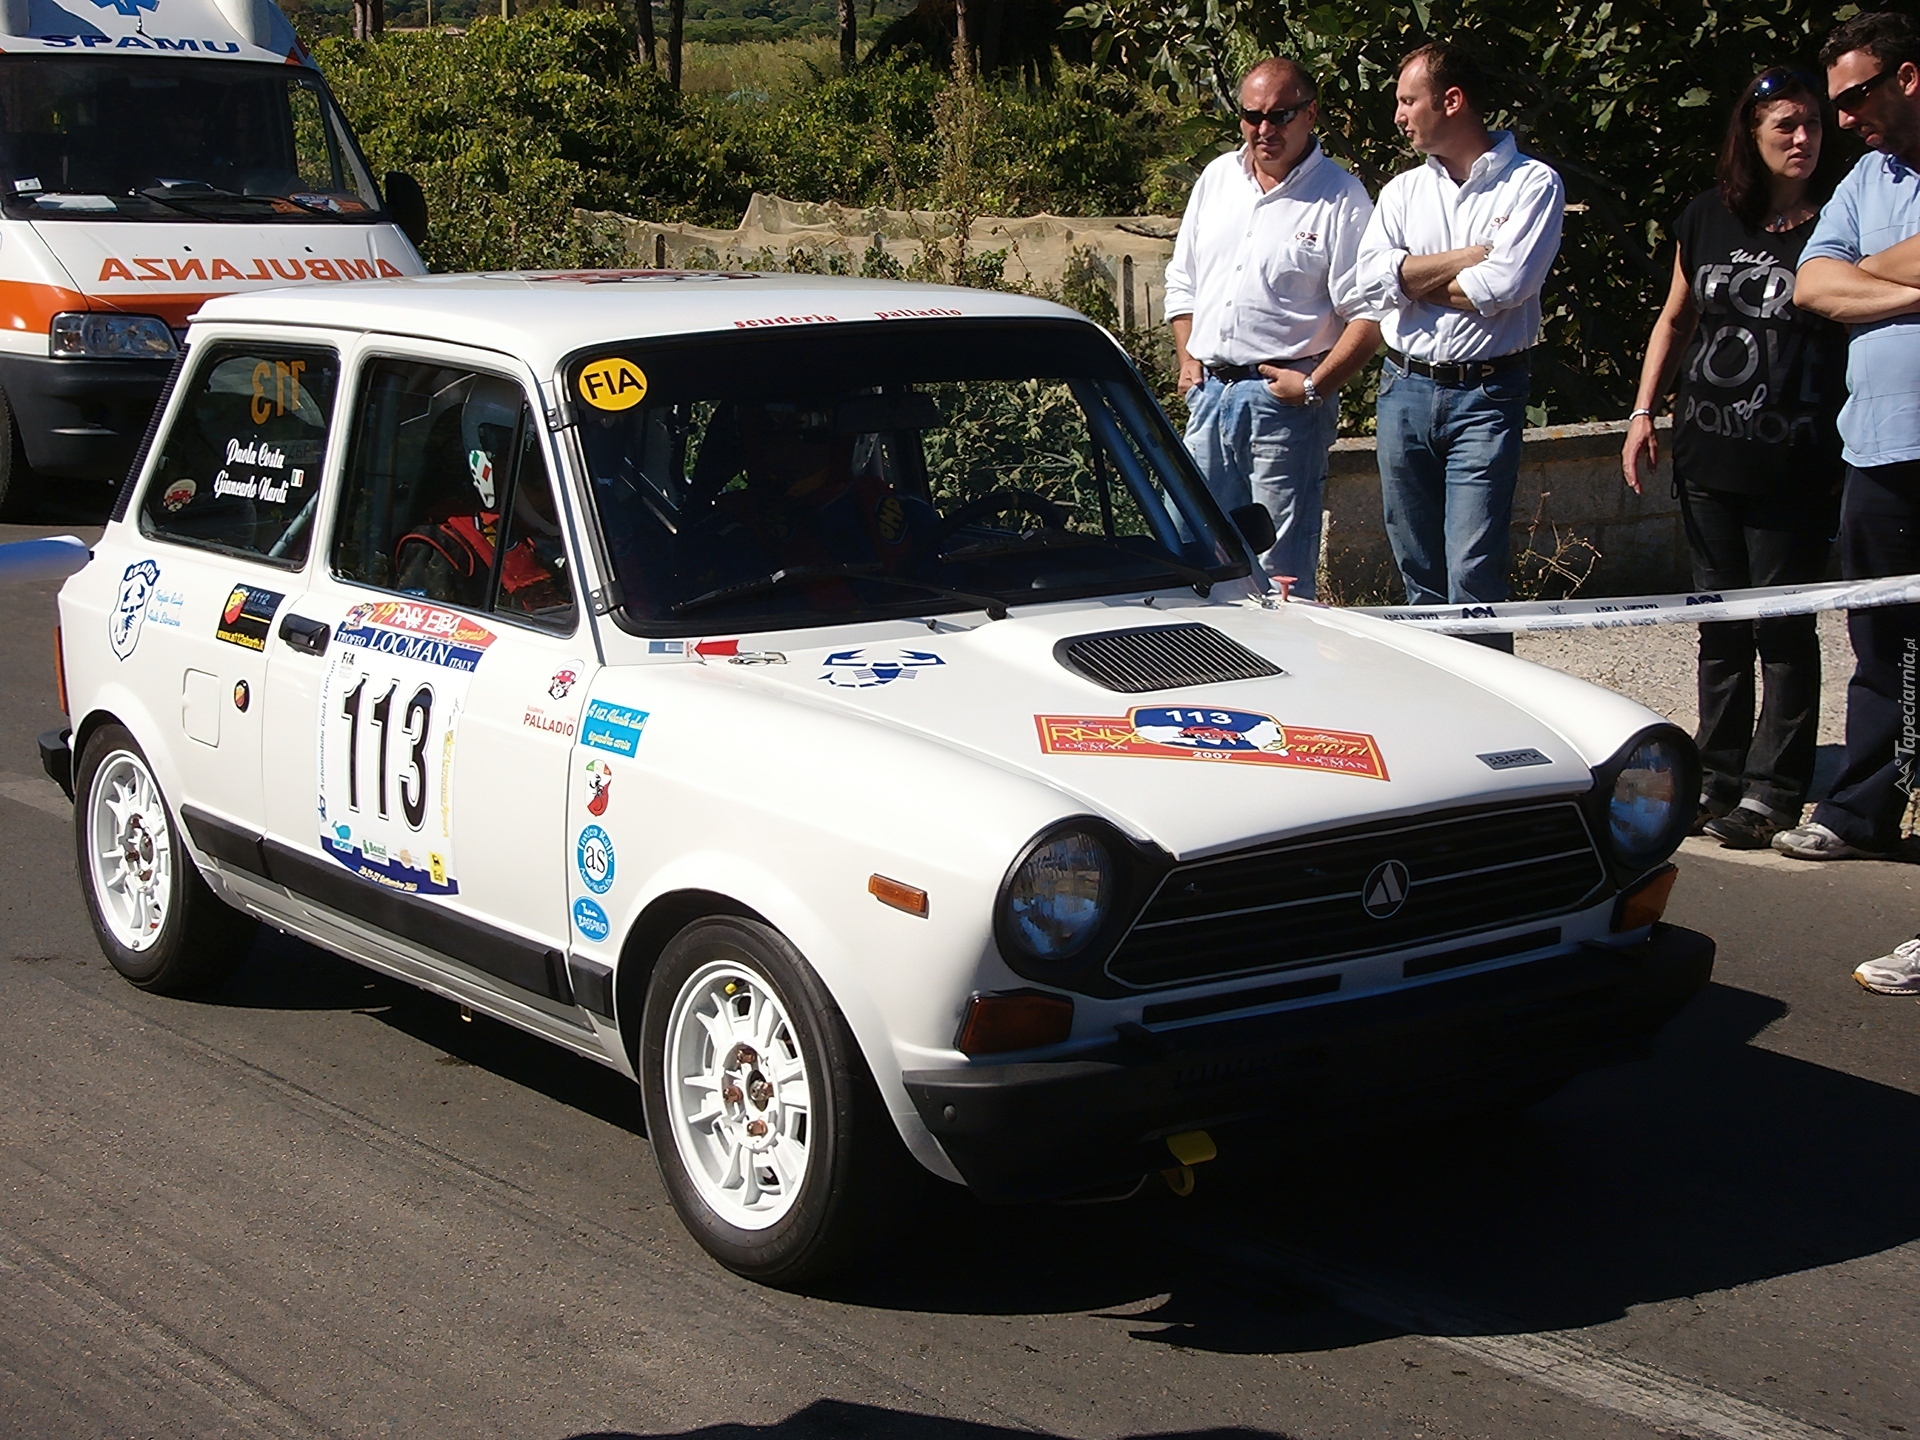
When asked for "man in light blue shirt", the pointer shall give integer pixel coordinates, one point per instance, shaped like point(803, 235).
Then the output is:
point(1862, 267)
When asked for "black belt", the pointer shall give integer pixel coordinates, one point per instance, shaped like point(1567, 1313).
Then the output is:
point(1227, 374)
point(1459, 372)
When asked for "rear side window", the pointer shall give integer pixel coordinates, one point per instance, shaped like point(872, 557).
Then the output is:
point(447, 496)
point(240, 471)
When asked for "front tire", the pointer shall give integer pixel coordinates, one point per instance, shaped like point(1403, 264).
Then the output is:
point(768, 1131)
point(157, 922)
point(19, 486)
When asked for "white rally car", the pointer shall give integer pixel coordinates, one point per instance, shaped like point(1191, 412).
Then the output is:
point(841, 707)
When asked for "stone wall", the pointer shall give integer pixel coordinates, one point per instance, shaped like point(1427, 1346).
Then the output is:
point(1570, 486)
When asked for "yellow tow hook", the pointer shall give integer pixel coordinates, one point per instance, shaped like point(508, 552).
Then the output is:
point(1190, 1148)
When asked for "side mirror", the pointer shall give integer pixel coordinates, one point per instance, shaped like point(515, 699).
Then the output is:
point(1256, 526)
point(407, 204)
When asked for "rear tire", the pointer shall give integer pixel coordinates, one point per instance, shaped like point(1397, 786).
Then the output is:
point(19, 486)
point(157, 922)
point(768, 1130)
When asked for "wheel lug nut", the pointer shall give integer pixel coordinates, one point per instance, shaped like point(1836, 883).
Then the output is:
point(761, 1092)
point(730, 1093)
point(756, 1128)
point(743, 1057)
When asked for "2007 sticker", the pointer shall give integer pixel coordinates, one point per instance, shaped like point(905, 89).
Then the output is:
point(1204, 733)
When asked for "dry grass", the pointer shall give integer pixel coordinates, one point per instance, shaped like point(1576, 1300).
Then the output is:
point(759, 68)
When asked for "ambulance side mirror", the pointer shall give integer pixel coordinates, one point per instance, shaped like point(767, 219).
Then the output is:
point(407, 204)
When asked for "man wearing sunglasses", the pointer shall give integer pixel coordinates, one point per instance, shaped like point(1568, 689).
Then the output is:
point(1862, 267)
point(1454, 257)
point(1266, 316)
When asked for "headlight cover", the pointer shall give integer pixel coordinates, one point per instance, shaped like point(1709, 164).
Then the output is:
point(1056, 900)
point(95, 335)
point(1649, 791)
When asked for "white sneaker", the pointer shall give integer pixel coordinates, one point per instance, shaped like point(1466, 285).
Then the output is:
point(1814, 841)
point(1895, 974)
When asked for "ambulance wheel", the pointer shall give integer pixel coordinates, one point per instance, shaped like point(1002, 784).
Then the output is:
point(19, 486)
point(156, 920)
point(770, 1135)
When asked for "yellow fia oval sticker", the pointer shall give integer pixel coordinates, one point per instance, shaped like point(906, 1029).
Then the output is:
point(612, 384)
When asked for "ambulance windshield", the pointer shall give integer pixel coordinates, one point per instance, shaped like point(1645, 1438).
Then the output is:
point(94, 137)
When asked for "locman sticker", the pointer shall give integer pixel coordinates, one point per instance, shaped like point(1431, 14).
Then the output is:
point(590, 920)
point(615, 383)
point(1237, 736)
point(247, 616)
point(593, 854)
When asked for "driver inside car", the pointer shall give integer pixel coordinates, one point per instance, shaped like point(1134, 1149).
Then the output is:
point(449, 554)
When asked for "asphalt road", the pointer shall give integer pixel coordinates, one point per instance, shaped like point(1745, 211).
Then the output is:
point(318, 1202)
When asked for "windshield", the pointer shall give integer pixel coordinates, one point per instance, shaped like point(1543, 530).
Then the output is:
point(174, 139)
point(903, 468)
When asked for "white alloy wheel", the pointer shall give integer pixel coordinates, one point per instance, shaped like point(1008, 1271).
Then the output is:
point(131, 849)
point(737, 1094)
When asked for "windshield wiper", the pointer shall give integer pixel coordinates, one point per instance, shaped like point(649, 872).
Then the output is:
point(1201, 580)
point(184, 199)
point(795, 574)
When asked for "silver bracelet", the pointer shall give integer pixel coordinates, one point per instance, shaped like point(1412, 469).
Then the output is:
point(1637, 414)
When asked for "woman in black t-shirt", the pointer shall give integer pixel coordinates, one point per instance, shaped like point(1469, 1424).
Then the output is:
point(1756, 454)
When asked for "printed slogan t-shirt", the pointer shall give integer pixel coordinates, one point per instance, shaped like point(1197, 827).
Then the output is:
point(1761, 383)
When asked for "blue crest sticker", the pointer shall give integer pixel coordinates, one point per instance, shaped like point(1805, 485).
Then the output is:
point(129, 611)
point(590, 920)
point(881, 665)
point(612, 727)
point(593, 856)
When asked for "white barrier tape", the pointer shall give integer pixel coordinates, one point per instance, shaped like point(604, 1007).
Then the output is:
point(25, 561)
point(1608, 614)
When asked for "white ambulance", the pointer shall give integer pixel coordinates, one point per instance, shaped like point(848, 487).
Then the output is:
point(153, 154)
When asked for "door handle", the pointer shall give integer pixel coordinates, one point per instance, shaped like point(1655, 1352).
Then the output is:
point(304, 634)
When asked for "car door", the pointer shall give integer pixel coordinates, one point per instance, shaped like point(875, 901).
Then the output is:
point(227, 511)
point(443, 665)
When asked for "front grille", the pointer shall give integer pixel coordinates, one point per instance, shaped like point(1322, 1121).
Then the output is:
point(1161, 657)
point(1301, 904)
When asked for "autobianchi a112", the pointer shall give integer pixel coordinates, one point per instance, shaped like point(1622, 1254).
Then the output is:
point(840, 707)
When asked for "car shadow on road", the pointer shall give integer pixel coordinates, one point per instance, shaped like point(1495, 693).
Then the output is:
point(846, 1420)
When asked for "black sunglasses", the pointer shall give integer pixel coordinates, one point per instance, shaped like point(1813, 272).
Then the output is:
point(1784, 80)
point(1851, 98)
point(1279, 119)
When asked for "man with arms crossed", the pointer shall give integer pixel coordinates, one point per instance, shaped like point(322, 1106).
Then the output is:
point(1266, 315)
point(1454, 259)
point(1862, 267)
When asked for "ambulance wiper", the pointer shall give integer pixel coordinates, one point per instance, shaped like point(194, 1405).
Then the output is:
point(793, 574)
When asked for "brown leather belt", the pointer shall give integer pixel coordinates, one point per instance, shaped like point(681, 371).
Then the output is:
point(1459, 372)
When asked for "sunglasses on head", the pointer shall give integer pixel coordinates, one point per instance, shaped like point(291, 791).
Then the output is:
point(1784, 80)
point(1854, 96)
point(1279, 119)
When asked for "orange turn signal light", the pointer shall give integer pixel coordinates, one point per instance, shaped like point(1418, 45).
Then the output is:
point(899, 895)
point(60, 670)
point(1024, 1020)
point(1646, 902)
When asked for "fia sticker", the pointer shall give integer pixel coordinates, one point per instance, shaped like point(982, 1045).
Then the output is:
point(242, 696)
point(590, 920)
point(1190, 733)
point(176, 496)
point(129, 611)
point(615, 383)
point(599, 786)
point(593, 856)
point(863, 669)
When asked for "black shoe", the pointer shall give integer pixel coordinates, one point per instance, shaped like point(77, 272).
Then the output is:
point(1743, 828)
point(1707, 812)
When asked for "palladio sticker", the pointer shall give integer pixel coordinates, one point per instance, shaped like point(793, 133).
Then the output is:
point(615, 383)
point(1193, 733)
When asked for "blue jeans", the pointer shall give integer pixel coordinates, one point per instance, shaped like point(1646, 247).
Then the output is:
point(1250, 446)
point(1449, 457)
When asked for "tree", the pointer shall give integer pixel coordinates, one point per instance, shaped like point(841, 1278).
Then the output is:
point(369, 19)
point(849, 38)
point(643, 25)
point(676, 33)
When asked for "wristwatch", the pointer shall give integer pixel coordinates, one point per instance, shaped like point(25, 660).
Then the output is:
point(1313, 395)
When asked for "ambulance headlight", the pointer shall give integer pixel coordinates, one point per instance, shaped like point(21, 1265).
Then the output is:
point(96, 336)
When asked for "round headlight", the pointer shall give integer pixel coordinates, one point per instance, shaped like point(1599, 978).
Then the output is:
point(1646, 798)
point(1059, 895)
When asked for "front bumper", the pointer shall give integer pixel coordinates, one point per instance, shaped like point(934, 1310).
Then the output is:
point(56, 757)
point(1046, 1130)
point(81, 419)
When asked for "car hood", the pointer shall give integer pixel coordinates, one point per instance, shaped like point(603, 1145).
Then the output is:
point(1365, 721)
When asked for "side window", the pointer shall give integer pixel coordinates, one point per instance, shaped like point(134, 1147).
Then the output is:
point(240, 471)
point(447, 495)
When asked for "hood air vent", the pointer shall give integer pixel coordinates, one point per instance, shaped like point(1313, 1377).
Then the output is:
point(1161, 657)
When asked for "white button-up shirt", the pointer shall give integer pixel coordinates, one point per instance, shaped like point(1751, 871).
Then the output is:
point(1509, 202)
point(1268, 274)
